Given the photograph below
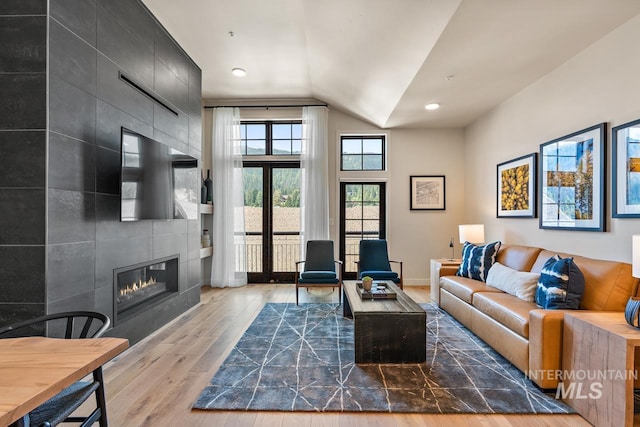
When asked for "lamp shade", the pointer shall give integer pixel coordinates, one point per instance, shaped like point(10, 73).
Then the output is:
point(472, 233)
point(635, 255)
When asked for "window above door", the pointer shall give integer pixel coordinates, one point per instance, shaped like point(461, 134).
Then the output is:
point(271, 138)
point(362, 152)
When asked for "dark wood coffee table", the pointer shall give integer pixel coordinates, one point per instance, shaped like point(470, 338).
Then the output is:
point(386, 331)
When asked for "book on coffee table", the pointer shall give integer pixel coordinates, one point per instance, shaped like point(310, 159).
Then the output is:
point(378, 290)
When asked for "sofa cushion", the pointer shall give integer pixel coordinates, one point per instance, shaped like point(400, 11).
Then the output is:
point(315, 275)
point(477, 260)
point(518, 257)
point(561, 284)
point(521, 284)
point(464, 288)
point(379, 274)
point(506, 309)
point(607, 284)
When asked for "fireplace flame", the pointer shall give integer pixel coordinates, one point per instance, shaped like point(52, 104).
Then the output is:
point(136, 286)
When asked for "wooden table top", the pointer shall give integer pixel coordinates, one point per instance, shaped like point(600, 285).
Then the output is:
point(611, 322)
point(402, 304)
point(34, 369)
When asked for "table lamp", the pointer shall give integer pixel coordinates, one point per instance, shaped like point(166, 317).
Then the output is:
point(452, 249)
point(472, 233)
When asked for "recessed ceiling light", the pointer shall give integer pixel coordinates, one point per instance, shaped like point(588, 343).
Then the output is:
point(433, 106)
point(239, 72)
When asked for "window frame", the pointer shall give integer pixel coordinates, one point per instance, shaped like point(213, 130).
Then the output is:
point(268, 140)
point(363, 137)
point(342, 206)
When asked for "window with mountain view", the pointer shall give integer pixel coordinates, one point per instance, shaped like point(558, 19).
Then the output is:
point(271, 174)
point(271, 138)
point(362, 153)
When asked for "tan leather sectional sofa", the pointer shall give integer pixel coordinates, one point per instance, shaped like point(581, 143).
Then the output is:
point(528, 336)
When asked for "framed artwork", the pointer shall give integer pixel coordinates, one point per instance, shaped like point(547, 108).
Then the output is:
point(517, 188)
point(626, 170)
point(572, 183)
point(427, 192)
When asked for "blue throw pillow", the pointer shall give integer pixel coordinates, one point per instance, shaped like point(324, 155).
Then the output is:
point(477, 260)
point(561, 284)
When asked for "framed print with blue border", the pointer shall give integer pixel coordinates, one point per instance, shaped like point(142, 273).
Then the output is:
point(626, 170)
point(572, 181)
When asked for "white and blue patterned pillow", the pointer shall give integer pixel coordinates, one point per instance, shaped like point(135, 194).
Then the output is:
point(477, 260)
point(561, 284)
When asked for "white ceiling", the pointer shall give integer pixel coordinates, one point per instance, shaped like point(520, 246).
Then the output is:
point(383, 60)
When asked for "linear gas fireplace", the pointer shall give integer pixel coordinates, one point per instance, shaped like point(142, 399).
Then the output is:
point(136, 287)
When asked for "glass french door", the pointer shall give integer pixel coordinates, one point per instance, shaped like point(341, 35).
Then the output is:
point(272, 220)
point(362, 216)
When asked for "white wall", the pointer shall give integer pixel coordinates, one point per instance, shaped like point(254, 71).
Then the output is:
point(414, 237)
point(600, 84)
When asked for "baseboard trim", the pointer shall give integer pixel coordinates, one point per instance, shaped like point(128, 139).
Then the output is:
point(415, 282)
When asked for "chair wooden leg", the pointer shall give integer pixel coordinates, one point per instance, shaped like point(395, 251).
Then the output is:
point(297, 288)
point(101, 400)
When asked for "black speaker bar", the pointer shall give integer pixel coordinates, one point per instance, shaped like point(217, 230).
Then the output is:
point(145, 92)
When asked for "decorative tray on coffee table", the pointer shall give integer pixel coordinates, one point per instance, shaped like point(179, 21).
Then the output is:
point(379, 290)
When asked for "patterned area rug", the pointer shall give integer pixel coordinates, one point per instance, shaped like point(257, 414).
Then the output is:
point(300, 358)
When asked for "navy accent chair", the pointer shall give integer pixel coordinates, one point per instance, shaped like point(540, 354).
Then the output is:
point(374, 262)
point(320, 268)
point(69, 325)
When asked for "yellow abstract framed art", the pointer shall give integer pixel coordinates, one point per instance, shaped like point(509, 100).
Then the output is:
point(517, 188)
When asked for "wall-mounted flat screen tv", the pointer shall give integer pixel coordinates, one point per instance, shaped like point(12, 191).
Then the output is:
point(157, 181)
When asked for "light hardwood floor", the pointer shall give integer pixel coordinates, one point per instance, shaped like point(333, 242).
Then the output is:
point(156, 381)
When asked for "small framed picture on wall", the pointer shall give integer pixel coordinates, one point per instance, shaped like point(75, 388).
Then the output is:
point(427, 192)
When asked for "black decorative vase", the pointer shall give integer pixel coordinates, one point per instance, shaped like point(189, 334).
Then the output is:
point(203, 193)
point(631, 312)
point(209, 184)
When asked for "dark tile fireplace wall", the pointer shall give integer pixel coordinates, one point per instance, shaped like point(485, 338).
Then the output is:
point(60, 234)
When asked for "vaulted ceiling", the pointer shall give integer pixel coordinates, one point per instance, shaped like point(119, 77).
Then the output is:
point(383, 60)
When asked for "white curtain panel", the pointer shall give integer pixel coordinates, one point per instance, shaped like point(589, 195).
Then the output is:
point(314, 165)
point(229, 265)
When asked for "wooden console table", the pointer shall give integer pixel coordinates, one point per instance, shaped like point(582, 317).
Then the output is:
point(386, 331)
point(598, 351)
point(34, 369)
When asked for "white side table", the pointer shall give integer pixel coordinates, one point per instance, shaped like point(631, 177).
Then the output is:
point(441, 267)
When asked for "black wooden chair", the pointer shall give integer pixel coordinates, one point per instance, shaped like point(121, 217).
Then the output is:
point(320, 268)
point(58, 409)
